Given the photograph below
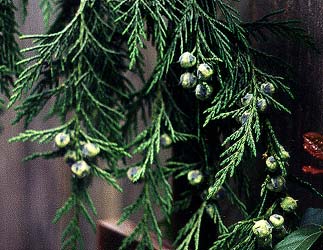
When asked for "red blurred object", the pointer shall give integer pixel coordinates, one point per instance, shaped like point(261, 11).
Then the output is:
point(313, 144)
point(312, 170)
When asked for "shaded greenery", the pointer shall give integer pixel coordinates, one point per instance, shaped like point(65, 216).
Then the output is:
point(79, 66)
point(9, 50)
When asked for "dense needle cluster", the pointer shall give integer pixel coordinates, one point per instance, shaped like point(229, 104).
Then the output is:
point(79, 66)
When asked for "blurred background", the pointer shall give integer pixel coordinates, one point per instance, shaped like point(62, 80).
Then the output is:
point(30, 192)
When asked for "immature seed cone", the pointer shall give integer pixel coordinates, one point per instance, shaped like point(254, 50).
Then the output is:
point(188, 80)
point(195, 177)
point(262, 228)
point(277, 221)
point(268, 88)
point(204, 71)
point(80, 169)
point(165, 140)
point(261, 105)
point(187, 60)
point(203, 91)
point(62, 140)
point(90, 150)
point(288, 204)
point(276, 184)
point(131, 173)
point(271, 164)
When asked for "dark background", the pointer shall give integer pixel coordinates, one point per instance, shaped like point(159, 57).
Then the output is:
point(31, 192)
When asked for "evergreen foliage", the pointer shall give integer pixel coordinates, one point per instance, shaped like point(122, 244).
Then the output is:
point(9, 50)
point(79, 67)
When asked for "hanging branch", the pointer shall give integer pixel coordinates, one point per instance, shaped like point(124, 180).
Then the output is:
point(79, 69)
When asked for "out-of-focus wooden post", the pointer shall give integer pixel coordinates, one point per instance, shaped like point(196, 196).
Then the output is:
point(110, 235)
